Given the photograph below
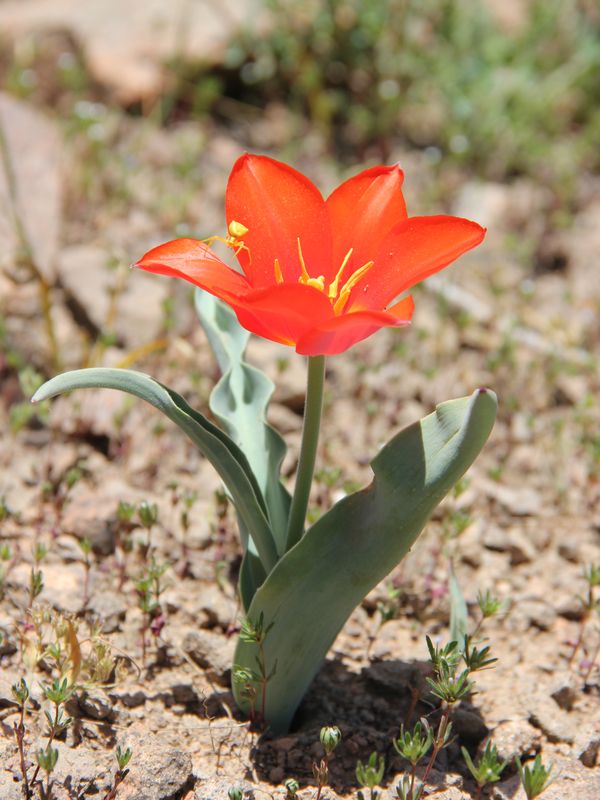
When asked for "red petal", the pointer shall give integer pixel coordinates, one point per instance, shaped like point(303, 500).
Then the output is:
point(278, 205)
point(411, 252)
point(363, 210)
point(338, 334)
point(195, 262)
point(283, 312)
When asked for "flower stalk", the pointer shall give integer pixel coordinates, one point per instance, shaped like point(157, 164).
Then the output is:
point(308, 450)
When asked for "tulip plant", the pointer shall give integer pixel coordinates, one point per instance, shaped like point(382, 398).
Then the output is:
point(317, 275)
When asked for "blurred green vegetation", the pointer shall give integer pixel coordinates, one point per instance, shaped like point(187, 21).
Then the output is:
point(438, 74)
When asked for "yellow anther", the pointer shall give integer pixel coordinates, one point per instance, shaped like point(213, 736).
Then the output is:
point(333, 286)
point(356, 276)
point(317, 283)
point(278, 272)
point(237, 230)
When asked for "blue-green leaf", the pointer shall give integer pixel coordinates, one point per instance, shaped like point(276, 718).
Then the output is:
point(240, 401)
point(315, 587)
point(224, 454)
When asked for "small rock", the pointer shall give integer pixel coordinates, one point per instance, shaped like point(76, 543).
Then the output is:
point(554, 723)
point(129, 697)
point(276, 775)
point(587, 746)
point(565, 690)
point(110, 608)
point(520, 548)
point(157, 772)
point(516, 738)
point(521, 501)
point(7, 645)
point(79, 767)
point(532, 611)
point(96, 704)
point(212, 652)
point(184, 692)
point(397, 677)
point(469, 726)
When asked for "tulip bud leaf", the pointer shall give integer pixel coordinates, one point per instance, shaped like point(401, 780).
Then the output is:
point(240, 401)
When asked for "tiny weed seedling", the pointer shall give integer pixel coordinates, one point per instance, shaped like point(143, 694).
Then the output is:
point(488, 769)
point(255, 633)
point(370, 775)
point(536, 778)
point(292, 787)
point(413, 746)
point(330, 737)
point(123, 757)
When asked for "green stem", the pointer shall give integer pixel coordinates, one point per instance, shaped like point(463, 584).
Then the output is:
point(308, 449)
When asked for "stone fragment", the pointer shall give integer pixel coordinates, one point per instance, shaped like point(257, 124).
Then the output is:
point(554, 723)
point(95, 703)
point(211, 652)
point(157, 772)
point(565, 690)
point(109, 608)
point(469, 725)
point(78, 768)
point(587, 745)
point(34, 152)
point(130, 697)
point(516, 738)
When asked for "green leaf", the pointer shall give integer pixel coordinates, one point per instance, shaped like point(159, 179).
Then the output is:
point(315, 587)
point(240, 401)
point(225, 456)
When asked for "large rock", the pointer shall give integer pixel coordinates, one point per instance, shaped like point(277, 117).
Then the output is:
point(126, 45)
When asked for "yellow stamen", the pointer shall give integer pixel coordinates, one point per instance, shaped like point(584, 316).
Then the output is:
point(278, 272)
point(305, 277)
point(316, 283)
point(339, 304)
point(333, 286)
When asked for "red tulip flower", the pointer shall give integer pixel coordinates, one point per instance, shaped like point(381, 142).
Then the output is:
point(319, 275)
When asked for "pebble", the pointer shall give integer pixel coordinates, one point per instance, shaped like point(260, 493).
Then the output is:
point(110, 608)
point(157, 772)
point(516, 737)
point(565, 690)
point(95, 703)
point(212, 652)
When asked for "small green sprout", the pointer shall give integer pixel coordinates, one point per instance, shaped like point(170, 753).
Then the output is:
point(488, 768)
point(20, 692)
point(409, 788)
point(235, 793)
point(488, 604)
point(370, 775)
point(254, 632)
point(476, 659)
point(450, 687)
point(125, 511)
point(148, 514)
point(123, 757)
point(47, 758)
point(330, 737)
point(292, 788)
point(413, 746)
point(535, 778)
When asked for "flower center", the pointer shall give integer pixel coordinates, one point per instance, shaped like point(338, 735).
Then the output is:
point(338, 297)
